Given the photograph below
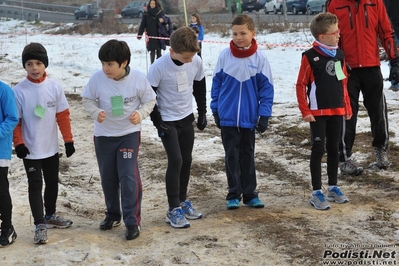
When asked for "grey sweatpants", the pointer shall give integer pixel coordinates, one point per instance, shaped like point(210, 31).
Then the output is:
point(120, 177)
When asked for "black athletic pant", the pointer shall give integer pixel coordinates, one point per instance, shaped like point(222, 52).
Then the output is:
point(369, 81)
point(178, 146)
point(5, 199)
point(34, 169)
point(239, 147)
point(325, 133)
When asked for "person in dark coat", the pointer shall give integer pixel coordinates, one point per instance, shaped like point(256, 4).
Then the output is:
point(392, 7)
point(149, 24)
point(234, 8)
point(165, 29)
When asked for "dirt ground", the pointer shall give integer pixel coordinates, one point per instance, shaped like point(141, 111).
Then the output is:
point(288, 231)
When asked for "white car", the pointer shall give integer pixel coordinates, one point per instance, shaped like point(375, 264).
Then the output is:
point(274, 6)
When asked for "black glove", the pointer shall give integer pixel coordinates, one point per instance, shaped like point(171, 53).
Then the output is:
point(217, 119)
point(69, 149)
point(21, 151)
point(201, 123)
point(163, 129)
point(262, 124)
point(394, 74)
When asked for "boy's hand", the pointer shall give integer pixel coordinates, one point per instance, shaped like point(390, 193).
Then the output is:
point(69, 149)
point(101, 117)
point(348, 117)
point(262, 124)
point(309, 118)
point(163, 130)
point(21, 151)
point(201, 122)
point(134, 118)
point(217, 119)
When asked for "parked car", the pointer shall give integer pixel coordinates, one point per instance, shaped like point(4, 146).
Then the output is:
point(261, 4)
point(315, 6)
point(88, 11)
point(134, 9)
point(296, 6)
point(250, 5)
point(274, 6)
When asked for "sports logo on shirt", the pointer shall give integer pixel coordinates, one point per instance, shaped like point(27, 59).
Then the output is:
point(330, 68)
point(51, 104)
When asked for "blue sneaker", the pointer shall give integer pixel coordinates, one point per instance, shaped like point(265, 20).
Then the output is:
point(176, 218)
point(318, 201)
point(255, 203)
point(189, 211)
point(232, 204)
point(336, 195)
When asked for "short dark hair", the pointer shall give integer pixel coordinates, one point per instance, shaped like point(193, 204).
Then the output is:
point(114, 50)
point(244, 20)
point(196, 29)
point(184, 39)
point(321, 22)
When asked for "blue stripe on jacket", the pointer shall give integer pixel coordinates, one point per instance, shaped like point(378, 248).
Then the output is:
point(242, 89)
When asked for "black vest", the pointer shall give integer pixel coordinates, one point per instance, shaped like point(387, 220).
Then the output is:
point(329, 91)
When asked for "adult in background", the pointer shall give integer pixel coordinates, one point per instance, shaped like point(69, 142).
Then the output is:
point(165, 29)
point(392, 7)
point(149, 24)
point(361, 22)
point(233, 9)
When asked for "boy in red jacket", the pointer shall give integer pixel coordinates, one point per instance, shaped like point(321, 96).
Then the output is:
point(323, 100)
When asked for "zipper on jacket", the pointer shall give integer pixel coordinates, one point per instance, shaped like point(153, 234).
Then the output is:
point(366, 13)
point(349, 13)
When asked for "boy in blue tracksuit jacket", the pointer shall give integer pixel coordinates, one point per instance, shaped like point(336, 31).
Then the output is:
point(8, 121)
point(242, 98)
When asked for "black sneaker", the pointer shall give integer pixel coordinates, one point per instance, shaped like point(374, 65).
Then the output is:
point(8, 236)
point(132, 232)
point(108, 223)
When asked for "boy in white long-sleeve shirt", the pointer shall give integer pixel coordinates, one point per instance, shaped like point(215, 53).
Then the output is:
point(118, 99)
